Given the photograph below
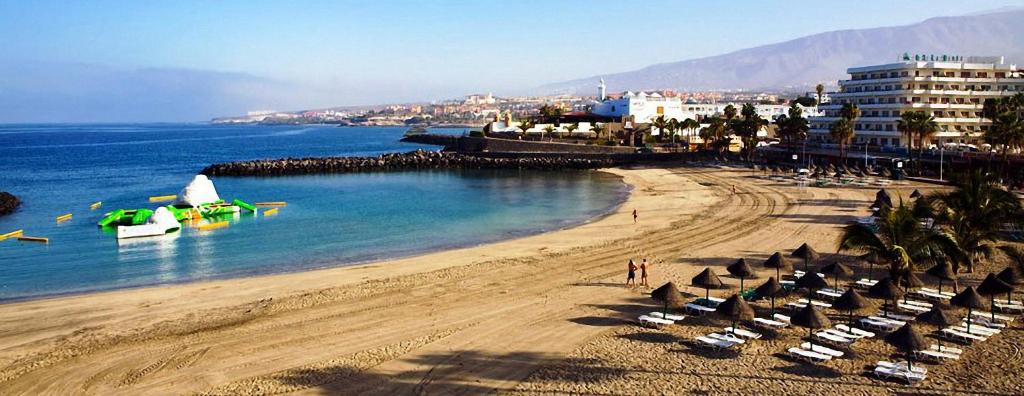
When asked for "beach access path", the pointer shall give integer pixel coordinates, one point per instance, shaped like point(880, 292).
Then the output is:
point(465, 321)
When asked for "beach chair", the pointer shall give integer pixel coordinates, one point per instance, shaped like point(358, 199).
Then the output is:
point(698, 310)
point(804, 355)
point(931, 296)
point(795, 306)
point(922, 304)
point(987, 322)
point(890, 374)
point(945, 349)
point(817, 304)
point(822, 349)
point(936, 291)
point(726, 337)
point(1009, 308)
point(988, 315)
point(855, 331)
point(911, 308)
point(935, 356)
point(713, 343)
point(781, 318)
point(742, 333)
point(977, 330)
point(902, 319)
point(959, 336)
point(878, 325)
point(842, 333)
point(770, 324)
point(652, 322)
point(832, 339)
point(828, 294)
point(901, 366)
point(710, 302)
point(667, 317)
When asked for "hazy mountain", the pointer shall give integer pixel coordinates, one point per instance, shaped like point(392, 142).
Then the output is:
point(824, 57)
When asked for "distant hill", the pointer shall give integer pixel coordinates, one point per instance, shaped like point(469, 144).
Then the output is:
point(822, 58)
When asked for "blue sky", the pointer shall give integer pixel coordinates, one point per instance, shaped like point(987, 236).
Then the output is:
point(290, 54)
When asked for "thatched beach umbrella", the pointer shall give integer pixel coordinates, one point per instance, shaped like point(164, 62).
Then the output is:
point(837, 270)
point(736, 309)
point(811, 281)
point(887, 291)
point(992, 287)
point(907, 340)
point(942, 272)
point(909, 281)
point(771, 288)
point(669, 295)
point(807, 253)
point(742, 270)
point(871, 258)
point(1011, 276)
point(883, 195)
point(708, 280)
point(810, 318)
point(916, 194)
point(779, 262)
point(937, 317)
point(850, 301)
point(970, 299)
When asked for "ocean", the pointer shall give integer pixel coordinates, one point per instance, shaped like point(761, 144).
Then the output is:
point(330, 220)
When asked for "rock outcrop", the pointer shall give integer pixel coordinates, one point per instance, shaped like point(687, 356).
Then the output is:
point(8, 203)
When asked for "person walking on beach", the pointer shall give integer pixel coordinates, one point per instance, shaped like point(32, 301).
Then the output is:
point(631, 276)
point(634, 216)
point(733, 189)
point(643, 273)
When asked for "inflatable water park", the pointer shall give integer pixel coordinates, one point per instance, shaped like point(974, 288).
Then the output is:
point(197, 201)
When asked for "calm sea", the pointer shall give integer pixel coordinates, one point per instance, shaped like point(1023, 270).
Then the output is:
point(330, 220)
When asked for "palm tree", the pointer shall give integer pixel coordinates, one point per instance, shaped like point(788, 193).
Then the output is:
point(672, 126)
point(849, 111)
point(793, 126)
point(898, 238)
point(598, 129)
point(660, 122)
point(917, 123)
point(549, 129)
point(748, 127)
point(571, 128)
point(819, 89)
point(730, 113)
point(841, 132)
point(974, 213)
point(715, 133)
point(1007, 127)
point(525, 125)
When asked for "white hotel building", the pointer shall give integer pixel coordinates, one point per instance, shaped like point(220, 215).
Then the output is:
point(952, 90)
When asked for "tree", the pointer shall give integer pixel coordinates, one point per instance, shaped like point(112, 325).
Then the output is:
point(1007, 127)
point(919, 124)
point(793, 126)
point(748, 126)
point(898, 238)
point(805, 101)
point(819, 89)
point(661, 123)
point(549, 129)
point(598, 129)
point(690, 125)
point(842, 133)
point(715, 133)
point(571, 128)
point(974, 213)
point(525, 125)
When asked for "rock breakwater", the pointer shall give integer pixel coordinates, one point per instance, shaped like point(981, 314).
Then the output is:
point(8, 203)
point(396, 162)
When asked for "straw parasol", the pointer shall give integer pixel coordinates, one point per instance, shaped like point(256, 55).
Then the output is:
point(907, 340)
point(708, 280)
point(811, 281)
point(850, 301)
point(991, 287)
point(970, 299)
point(938, 317)
point(837, 270)
point(736, 309)
point(916, 194)
point(909, 281)
point(887, 291)
point(770, 288)
point(742, 270)
point(810, 318)
point(871, 258)
point(807, 253)
point(779, 262)
point(1011, 276)
point(942, 272)
point(669, 295)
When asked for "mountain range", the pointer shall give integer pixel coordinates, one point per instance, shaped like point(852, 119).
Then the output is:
point(800, 64)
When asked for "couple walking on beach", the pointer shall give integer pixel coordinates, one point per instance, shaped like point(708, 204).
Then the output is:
point(631, 276)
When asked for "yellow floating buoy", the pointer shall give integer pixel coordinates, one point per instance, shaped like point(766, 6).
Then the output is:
point(213, 226)
point(12, 234)
point(34, 239)
point(96, 205)
point(64, 217)
point(270, 212)
point(161, 198)
point(274, 203)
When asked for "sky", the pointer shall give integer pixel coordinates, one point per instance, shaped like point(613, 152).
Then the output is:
point(188, 61)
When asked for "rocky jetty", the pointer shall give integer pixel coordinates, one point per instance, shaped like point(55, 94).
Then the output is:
point(8, 203)
point(395, 162)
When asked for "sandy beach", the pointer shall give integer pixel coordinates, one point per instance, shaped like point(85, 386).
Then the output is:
point(546, 314)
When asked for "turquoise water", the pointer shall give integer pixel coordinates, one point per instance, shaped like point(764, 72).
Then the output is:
point(330, 220)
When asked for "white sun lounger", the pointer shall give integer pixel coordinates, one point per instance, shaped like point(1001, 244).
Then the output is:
point(987, 322)
point(855, 331)
point(787, 283)
point(1009, 308)
point(945, 349)
point(818, 304)
point(808, 356)
point(742, 333)
point(800, 273)
point(714, 343)
point(955, 335)
point(828, 294)
point(999, 318)
point(903, 319)
point(781, 318)
point(699, 310)
point(921, 304)
point(977, 330)
point(935, 356)
point(668, 317)
point(768, 323)
point(916, 309)
point(833, 339)
point(648, 321)
point(889, 320)
point(836, 291)
point(936, 291)
point(878, 325)
point(842, 333)
point(901, 366)
point(865, 283)
point(726, 337)
point(822, 349)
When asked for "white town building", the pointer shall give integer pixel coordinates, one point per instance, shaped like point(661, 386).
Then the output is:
point(950, 88)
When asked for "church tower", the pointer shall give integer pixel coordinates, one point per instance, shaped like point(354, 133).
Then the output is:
point(600, 91)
